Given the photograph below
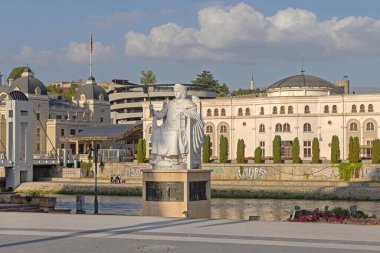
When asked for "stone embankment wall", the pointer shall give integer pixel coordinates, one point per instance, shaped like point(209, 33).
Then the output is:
point(255, 172)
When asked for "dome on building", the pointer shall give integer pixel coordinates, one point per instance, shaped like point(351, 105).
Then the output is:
point(17, 95)
point(92, 91)
point(28, 84)
point(303, 85)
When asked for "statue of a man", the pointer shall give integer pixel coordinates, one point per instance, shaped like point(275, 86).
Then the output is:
point(170, 141)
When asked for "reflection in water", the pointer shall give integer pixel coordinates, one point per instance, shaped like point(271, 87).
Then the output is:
point(241, 209)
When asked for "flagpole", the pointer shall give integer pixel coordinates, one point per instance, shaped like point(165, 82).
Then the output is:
point(91, 54)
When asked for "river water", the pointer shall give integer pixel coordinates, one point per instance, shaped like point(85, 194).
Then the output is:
point(237, 209)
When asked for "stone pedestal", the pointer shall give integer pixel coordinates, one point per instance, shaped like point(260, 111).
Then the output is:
point(177, 193)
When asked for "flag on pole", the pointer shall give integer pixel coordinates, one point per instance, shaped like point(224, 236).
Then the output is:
point(91, 43)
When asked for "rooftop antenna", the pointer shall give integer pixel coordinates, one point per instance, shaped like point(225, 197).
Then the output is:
point(91, 54)
point(302, 69)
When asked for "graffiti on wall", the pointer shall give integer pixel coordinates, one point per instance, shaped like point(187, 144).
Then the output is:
point(251, 173)
point(135, 172)
point(373, 173)
point(217, 170)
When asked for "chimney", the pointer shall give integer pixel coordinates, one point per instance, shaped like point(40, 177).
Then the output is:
point(10, 81)
point(345, 83)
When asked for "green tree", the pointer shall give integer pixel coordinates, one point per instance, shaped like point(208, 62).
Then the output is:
point(376, 151)
point(240, 151)
point(207, 80)
point(315, 151)
point(148, 78)
point(296, 151)
point(258, 154)
point(335, 150)
point(223, 149)
point(141, 151)
point(356, 145)
point(277, 149)
point(240, 92)
point(16, 72)
point(206, 149)
point(53, 90)
point(351, 150)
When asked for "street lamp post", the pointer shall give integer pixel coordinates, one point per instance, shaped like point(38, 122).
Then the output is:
point(93, 153)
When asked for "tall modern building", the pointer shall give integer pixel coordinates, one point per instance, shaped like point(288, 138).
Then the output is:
point(126, 99)
point(302, 106)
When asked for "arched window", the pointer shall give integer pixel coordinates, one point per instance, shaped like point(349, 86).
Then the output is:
point(282, 110)
point(307, 109)
point(353, 127)
point(274, 110)
point(370, 126)
point(370, 108)
point(223, 113)
point(286, 127)
point(362, 109)
point(326, 109)
point(208, 112)
point(278, 127)
point(290, 110)
point(262, 128)
point(209, 129)
point(240, 112)
point(353, 108)
point(306, 127)
point(247, 111)
point(223, 129)
point(334, 109)
point(262, 111)
point(216, 112)
point(150, 130)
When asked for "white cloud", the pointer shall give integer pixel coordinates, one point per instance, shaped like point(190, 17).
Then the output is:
point(242, 34)
point(78, 52)
point(27, 55)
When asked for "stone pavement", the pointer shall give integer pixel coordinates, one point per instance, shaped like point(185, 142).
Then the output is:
point(58, 233)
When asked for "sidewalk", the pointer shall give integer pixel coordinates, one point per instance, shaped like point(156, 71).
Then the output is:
point(35, 232)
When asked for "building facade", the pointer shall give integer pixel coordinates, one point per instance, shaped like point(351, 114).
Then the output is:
point(302, 106)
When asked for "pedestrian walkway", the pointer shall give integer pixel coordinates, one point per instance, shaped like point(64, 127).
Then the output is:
point(36, 232)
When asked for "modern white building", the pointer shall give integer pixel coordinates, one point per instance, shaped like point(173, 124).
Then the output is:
point(302, 106)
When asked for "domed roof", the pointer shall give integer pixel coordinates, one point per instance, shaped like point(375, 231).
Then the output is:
point(299, 81)
point(28, 84)
point(91, 90)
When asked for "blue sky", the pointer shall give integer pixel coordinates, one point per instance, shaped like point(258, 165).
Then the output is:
point(178, 39)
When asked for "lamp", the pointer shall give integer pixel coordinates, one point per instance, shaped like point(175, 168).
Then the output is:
point(93, 154)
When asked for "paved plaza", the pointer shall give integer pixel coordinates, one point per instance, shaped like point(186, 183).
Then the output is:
point(39, 233)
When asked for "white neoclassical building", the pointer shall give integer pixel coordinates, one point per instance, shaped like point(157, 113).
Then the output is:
point(302, 106)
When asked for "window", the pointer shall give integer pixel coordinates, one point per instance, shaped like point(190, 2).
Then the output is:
point(286, 127)
point(262, 128)
point(262, 111)
point(353, 127)
point(72, 131)
point(278, 127)
point(247, 111)
point(262, 146)
point(240, 112)
point(370, 108)
point(38, 131)
point(307, 109)
point(362, 109)
point(101, 119)
point(274, 110)
point(209, 130)
point(62, 132)
point(24, 113)
point(334, 109)
point(353, 109)
point(58, 116)
point(307, 127)
point(307, 148)
point(37, 147)
point(10, 114)
point(282, 110)
point(370, 126)
point(223, 113)
point(326, 109)
point(223, 129)
point(216, 112)
point(209, 113)
point(62, 145)
point(290, 110)
point(150, 130)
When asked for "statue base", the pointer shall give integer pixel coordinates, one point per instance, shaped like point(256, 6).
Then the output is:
point(176, 193)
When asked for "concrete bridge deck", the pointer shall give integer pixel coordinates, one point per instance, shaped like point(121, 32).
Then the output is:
point(35, 232)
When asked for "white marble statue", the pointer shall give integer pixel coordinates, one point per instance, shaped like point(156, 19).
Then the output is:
point(177, 142)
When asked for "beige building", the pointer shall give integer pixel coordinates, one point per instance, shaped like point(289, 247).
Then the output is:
point(54, 118)
point(302, 106)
